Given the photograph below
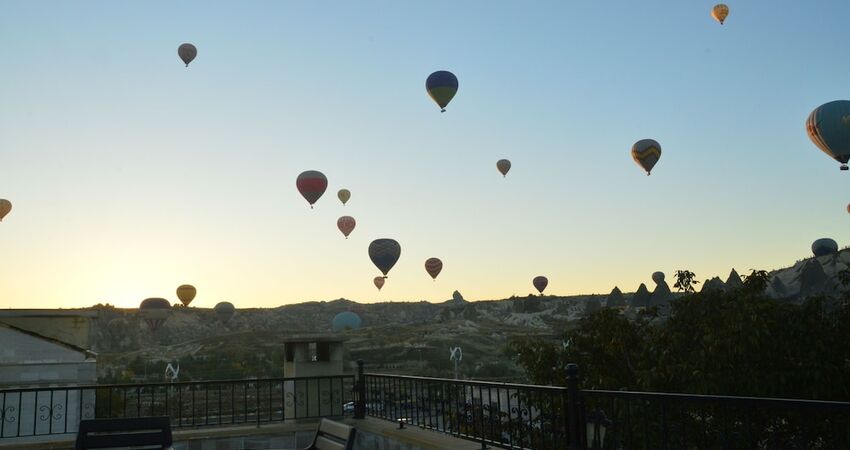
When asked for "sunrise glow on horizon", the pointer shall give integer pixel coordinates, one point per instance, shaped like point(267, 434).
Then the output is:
point(132, 174)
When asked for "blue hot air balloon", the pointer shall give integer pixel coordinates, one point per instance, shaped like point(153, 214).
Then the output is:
point(346, 320)
point(384, 254)
point(825, 246)
point(442, 87)
point(829, 128)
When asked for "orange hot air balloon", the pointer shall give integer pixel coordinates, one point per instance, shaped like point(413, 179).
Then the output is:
point(433, 266)
point(379, 282)
point(346, 225)
point(540, 283)
point(186, 293)
point(504, 166)
point(720, 12)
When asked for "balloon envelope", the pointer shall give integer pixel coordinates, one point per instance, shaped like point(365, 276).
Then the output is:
point(719, 12)
point(442, 87)
point(311, 184)
point(540, 283)
point(504, 166)
point(155, 312)
point(379, 282)
point(433, 266)
point(346, 225)
point(224, 311)
point(384, 253)
point(187, 52)
point(824, 246)
point(828, 127)
point(346, 320)
point(186, 293)
point(344, 195)
point(646, 153)
point(5, 208)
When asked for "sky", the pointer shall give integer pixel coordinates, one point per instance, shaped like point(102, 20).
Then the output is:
point(131, 174)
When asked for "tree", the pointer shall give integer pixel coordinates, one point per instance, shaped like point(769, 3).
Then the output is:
point(685, 281)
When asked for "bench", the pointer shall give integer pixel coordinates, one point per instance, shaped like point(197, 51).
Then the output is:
point(333, 436)
point(151, 432)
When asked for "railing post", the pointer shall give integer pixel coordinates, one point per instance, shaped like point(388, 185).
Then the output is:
point(360, 392)
point(573, 407)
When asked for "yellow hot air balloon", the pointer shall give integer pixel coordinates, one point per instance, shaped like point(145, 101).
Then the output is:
point(719, 12)
point(344, 195)
point(186, 293)
point(5, 207)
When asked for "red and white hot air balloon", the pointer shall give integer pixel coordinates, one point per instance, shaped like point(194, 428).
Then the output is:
point(346, 224)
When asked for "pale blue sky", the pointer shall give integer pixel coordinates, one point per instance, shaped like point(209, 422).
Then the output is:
point(131, 174)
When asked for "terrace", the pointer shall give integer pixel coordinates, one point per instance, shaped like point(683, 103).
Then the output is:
point(409, 412)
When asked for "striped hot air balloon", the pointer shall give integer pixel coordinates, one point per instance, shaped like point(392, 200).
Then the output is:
point(646, 153)
point(540, 283)
point(829, 128)
point(311, 184)
point(346, 224)
point(442, 87)
point(433, 266)
point(379, 282)
point(384, 253)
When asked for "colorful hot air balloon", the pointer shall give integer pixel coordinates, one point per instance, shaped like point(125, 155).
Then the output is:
point(186, 293)
point(646, 152)
point(719, 12)
point(442, 87)
point(224, 311)
point(540, 283)
point(155, 312)
point(187, 52)
point(658, 277)
point(5, 208)
point(829, 128)
point(433, 266)
point(346, 225)
point(384, 254)
point(311, 184)
point(379, 282)
point(824, 246)
point(504, 166)
point(344, 195)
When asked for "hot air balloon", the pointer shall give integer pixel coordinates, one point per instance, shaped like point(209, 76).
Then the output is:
point(224, 311)
point(504, 166)
point(346, 225)
point(155, 312)
point(345, 321)
point(379, 282)
point(824, 246)
point(442, 87)
point(658, 277)
point(187, 52)
point(540, 283)
point(719, 12)
point(829, 128)
point(433, 266)
point(5, 207)
point(646, 153)
point(311, 184)
point(186, 293)
point(384, 254)
point(344, 195)
point(848, 208)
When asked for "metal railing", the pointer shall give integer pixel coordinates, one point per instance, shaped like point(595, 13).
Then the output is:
point(58, 410)
point(518, 416)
